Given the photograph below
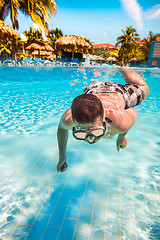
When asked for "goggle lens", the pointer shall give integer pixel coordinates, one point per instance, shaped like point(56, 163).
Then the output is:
point(82, 135)
point(97, 132)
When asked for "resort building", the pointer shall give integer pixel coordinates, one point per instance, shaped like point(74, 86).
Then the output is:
point(143, 41)
point(154, 54)
point(100, 49)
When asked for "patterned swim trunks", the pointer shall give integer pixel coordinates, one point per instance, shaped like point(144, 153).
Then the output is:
point(132, 94)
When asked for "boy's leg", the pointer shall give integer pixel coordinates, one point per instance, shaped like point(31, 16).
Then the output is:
point(132, 77)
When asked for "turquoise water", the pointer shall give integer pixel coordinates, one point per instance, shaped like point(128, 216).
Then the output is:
point(104, 194)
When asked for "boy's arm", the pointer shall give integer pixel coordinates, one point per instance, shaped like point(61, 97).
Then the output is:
point(62, 136)
point(121, 141)
point(127, 121)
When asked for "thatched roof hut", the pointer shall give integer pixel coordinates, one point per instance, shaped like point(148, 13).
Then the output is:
point(97, 58)
point(7, 31)
point(41, 46)
point(135, 60)
point(40, 53)
point(72, 42)
point(111, 59)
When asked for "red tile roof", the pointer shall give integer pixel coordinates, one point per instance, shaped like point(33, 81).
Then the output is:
point(143, 41)
point(103, 45)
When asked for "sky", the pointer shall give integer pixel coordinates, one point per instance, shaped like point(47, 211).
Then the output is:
point(101, 21)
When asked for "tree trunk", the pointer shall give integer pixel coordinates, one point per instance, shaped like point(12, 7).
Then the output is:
point(13, 48)
point(73, 54)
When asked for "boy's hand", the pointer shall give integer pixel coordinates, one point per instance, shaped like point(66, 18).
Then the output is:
point(121, 142)
point(62, 166)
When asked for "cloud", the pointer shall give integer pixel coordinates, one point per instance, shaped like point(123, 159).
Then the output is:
point(154, 13)
point(23, 37)
point(36, 26)
point(134, 10)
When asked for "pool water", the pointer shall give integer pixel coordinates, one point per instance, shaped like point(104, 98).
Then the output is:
point(104, 194)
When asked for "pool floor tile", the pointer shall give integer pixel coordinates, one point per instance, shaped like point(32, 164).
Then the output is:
point(65, 196)
point(89, 199)
point(84, 221)
point(74, 208)
point(20, 232)
point(48, 206)
point(58, 215)
point(80, 236)
point(79, 190)
point(38, 227)
point(91, 185)
point(67, 230)
point(51, 233)
point(97, 231)
point(30, 213)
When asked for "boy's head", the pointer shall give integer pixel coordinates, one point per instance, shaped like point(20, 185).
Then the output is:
point(87, 108)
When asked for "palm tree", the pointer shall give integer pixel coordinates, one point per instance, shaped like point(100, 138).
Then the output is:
point(53, 35)
point(33, 35)
point(145, 47)
point(127, 42)
point(38, 10)
point(91, 49)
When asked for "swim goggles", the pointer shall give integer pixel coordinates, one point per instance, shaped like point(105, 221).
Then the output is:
point(83, 134)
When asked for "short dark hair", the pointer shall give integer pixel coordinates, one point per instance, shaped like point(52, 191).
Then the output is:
point(86, 108)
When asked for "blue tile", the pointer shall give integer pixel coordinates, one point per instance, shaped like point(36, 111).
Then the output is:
point(72, 180)
point(91, 185)
point(30, 213)
point(74, 208)
point(79, 191)
point(102, 193)
point(52, 199)
point(83, 178)
point(99, 214)
point(97, 232)
point(84, 221)
point(48, 206)
point(88, 201)
point(58, 216)
point(42, 194)
point(67, 229)
point(65, 196)
point(51, 233)
point(49, 181)
point(38, 227)
point(20, 232)
point(81, 236)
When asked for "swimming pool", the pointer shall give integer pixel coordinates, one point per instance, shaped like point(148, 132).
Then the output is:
point(104, 194)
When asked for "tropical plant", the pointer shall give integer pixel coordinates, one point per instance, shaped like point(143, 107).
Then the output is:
point(146, 44)
point(33, 35)
point(91, 43)
point(115, 53)
point(8, 43)
point(127, 43)
point(4, 48)
point(38, 10)
point(53, 35)
point(105, 55)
